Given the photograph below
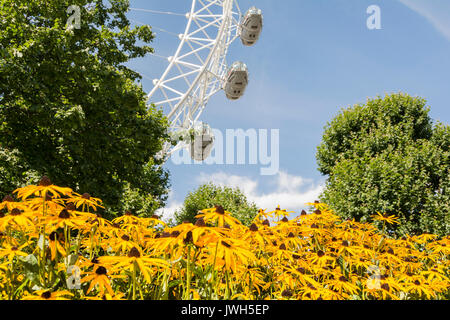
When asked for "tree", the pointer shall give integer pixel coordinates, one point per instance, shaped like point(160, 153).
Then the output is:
point(387, 156)
point(208, 195)
point(70, 108)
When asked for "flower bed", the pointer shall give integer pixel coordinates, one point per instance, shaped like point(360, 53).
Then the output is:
point(55, 246)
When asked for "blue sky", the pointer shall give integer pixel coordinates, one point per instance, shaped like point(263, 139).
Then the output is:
point(314, 57)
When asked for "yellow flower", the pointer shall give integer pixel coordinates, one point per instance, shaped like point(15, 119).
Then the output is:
point(385, 218)
point(230, 253)
point(45, 187)
point(218, 214)
point(133, 258)
point(8, 203)
point(48, 295)
point(11, 251)
point(85, 200)
point(98, 278)
point(16, 219)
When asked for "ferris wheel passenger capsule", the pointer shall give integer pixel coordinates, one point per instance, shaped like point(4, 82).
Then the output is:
point(251, 26)
point(202, 143)
point(236, 80)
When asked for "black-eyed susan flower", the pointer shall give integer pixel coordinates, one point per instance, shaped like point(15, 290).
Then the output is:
point(391, 219)
point(218, 215)
point(98, 278)
point(46, 294)
point(85, 201)
point(134, 258)
point(11, 251)
point(45, 187)
point(16, 219)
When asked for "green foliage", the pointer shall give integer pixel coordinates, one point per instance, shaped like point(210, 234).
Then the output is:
point(387, 156)
point(13, 172)
point(208, 195)
point(70, 108)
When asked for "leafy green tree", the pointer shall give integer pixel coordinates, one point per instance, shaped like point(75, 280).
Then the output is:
point(69, 106)
point(208, 195)
point(387, 156)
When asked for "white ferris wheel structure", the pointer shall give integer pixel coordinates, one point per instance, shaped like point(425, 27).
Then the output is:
point(198, 69)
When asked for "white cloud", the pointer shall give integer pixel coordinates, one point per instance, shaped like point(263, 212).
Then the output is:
point(169, 211)
point(437, 12)
point(289, 191)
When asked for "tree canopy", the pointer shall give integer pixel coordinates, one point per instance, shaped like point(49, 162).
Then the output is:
point(70, 108)
point(388, 156)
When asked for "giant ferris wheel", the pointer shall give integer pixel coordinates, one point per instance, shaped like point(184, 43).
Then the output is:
point(198, 69)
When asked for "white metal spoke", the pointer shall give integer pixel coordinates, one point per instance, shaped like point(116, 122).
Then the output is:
point(196, 71)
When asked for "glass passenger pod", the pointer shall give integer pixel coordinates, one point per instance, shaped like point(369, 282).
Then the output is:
point(236, 80)
point(202, 142)
point(251, 26)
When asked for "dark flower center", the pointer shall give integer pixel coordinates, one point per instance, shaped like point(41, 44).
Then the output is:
point(125, 237)
point(311, 286)
point(390, 251)
point(301, 270)
point(417, 283)
point(291, 235)
point(314, 226)
point(71, 206)
point(303, 213)
point(266, 223)
point(64, 214)
point(86, 196)
point(285, 219)
point(101, 270)
point(188, 239)
point(345, 243)
point(282, 246)
point(8, 198)
point(226, 244)
point(45, 181)
point(134, 253)
point(175, 234)
point(15, 212)
point(343, 279)
point(318, 211)
point(14, 248)
point(253, 227)
point(219, 209)
point(46, 295)
point(200, 222)
point(320, 253)
point(53, 236)
point(385, 286)
point(287, 293)
point(155, 216)
point(128, 213)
